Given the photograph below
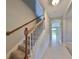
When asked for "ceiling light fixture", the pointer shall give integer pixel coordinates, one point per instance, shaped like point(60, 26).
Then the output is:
point(55, 2)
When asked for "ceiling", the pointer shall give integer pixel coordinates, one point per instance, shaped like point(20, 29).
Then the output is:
point(57, 11)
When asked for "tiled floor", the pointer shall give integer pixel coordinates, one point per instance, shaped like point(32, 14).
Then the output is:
point(56, 51)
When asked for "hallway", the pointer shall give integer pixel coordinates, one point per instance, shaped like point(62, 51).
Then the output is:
point(56, 51)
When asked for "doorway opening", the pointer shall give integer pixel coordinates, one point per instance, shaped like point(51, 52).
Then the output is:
point(56, 32)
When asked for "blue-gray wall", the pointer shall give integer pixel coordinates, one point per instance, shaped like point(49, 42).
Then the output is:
point(35, 6)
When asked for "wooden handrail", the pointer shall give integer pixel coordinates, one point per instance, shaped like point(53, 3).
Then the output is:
point(10, 32)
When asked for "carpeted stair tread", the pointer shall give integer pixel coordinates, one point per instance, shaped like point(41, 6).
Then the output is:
point(22, 47)
point(20, 52)
point(17, 55)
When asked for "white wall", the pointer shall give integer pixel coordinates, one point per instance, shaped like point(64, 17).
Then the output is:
point(67, 26)
point(67, 30)
point(18, 13)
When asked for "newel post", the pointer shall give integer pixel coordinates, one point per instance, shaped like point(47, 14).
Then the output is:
point(26, 50)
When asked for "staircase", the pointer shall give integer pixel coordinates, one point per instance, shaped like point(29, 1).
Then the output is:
point(24, 50)
point(19, 53)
